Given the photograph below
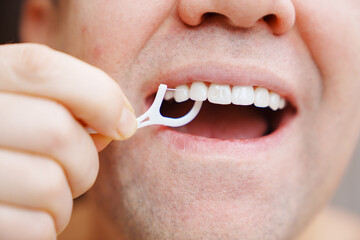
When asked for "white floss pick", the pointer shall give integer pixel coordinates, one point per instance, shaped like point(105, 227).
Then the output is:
point(154, 117)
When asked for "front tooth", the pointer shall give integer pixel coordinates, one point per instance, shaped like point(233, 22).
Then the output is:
point(274, 101)
point(282, 103)
point(262, 97)
point(243, 95)
point(169, 95)
point(219, 94)
point(198, 91)
point(182, 93)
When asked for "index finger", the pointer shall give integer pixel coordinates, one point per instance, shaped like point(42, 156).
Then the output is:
point(90, 94)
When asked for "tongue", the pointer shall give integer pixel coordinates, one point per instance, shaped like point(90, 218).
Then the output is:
point(221, 122)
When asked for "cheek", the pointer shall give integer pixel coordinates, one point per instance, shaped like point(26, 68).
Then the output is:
point(112, 35)
point(330, 31)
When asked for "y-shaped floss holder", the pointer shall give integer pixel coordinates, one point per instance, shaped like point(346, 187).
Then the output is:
point(154, 117)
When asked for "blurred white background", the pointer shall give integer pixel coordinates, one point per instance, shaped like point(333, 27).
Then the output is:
point(348, 194)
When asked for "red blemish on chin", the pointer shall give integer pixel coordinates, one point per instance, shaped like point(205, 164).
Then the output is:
point(84, 32)
point(84, 29)
point(97, 52)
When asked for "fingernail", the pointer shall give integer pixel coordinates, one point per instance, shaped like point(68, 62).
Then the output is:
point(127, 125)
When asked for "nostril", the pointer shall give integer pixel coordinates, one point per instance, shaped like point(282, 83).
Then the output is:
point(270, 19)
point(214, 16)
point(210, 14)
point(280, 24)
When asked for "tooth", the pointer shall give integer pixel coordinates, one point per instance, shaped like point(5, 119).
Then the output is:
point(262, 98)
point(219, 94)
point(198, 91)
point(274, 101)
point(169, 95)
point(243, 95)
point(182, 93)
point(282, 103)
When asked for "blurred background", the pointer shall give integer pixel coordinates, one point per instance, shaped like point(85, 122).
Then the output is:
point(348, 194)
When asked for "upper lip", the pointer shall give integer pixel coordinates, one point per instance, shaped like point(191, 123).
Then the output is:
point(243, 75)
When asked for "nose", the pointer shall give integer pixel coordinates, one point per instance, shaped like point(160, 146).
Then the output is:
point(278, 14)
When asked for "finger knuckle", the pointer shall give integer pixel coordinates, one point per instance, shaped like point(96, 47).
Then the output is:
point(53, 184)
point(90, 173)
point(35, 60)
point(44, 227)
point(56, 194)
point(60, 129)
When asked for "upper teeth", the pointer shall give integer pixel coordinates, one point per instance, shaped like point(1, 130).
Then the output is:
point(219, 94)
point(224, 94)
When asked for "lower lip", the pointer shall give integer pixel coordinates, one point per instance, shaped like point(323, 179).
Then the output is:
point(192, 144)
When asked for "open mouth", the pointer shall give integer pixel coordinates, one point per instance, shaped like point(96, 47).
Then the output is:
point(228, 112)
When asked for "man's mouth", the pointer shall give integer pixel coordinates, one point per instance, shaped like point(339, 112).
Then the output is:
point(238, 105)
point(228, 112)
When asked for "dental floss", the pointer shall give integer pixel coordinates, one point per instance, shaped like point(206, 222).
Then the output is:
point(174, 90)
point(154, 117)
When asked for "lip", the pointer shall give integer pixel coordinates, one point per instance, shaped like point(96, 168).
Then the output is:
point(239, 75)
point(245, 75)
point(202, 146)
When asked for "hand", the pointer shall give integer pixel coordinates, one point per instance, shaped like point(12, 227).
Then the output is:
point(47, 158)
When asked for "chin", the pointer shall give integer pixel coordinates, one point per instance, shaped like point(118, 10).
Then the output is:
point(237, 171)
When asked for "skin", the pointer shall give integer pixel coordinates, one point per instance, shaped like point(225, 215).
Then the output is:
point(146, 189)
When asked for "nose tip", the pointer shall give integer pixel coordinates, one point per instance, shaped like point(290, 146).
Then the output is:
point(279, 14)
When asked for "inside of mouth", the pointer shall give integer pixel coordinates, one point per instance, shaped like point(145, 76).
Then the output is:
point(228, 122)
